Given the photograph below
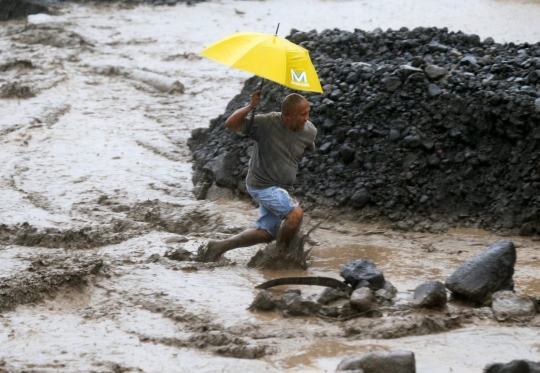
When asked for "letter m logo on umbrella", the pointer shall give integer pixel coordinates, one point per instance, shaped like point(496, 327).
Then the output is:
point(299, 79)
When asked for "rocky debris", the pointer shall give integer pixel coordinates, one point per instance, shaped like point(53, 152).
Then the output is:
point(400, 146)
point(361, 299)
point(515, 366)
point(17, 9)
point(431, 294)
point(263, 301)
point(45, 276)
point(486, 273)
point(179, 254)
point(397, 361)
point(294, 304)
point(362, 273)
point(508, 305)
point(329, 295)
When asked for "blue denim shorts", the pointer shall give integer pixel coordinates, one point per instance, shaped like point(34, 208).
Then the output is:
point(274, 205)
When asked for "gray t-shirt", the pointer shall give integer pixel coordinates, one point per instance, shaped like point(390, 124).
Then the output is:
point(276, 151)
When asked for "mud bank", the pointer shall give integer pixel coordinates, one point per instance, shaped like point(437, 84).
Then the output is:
point(423, 129)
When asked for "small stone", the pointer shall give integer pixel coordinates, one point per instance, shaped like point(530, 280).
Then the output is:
point(430, 294)
point(361, 299)
point(328, 295)
point(176, 239)
point(434, 90)
point(397, 361)
point(360, 198)
point(180, 254)
point(435, 72)
point(263, 301)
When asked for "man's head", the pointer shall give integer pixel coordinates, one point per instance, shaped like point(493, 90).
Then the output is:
point(295, 112)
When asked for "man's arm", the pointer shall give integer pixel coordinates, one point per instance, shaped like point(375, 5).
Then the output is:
point(234, 122)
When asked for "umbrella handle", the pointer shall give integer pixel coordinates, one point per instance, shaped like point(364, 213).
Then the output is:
point(255, 108)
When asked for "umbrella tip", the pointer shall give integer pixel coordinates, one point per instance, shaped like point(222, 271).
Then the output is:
point(277, 28)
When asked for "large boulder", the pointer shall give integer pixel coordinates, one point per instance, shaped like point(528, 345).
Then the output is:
point(397, 361)
point(362, 273)
point(486, 273)
point(430, 294)
point(515, 366)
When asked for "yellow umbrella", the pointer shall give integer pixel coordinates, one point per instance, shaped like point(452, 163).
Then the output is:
point(267, 56)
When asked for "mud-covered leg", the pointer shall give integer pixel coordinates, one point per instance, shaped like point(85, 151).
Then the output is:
point(290, 227)
point(216, 248)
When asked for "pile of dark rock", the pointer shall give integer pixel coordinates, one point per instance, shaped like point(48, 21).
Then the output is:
point(486, 279)
point(420, 128)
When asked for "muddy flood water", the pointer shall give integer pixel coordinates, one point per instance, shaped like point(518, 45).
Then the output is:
point(95, 183)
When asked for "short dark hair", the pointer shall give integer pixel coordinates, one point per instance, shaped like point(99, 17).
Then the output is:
point(289, 103)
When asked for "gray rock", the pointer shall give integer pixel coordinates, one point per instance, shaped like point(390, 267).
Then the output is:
point(486, 273)
point(296, 305)
point(221, 169)
point(361, 299)
point(176, 239)
point(200, 190)
point(430, 294)
point(434, 90)
point(515, 366)
point(216, 193)
point(180, 254)
point(263, 301)
point(508, 305)
point(393, 83)
point(537, 105)
point(398, 361)
point(328, 295)
point(384, 294)
point(390, 288)
point(357, 271)
point(407, 70)
point(435, 72)
point(360, 198)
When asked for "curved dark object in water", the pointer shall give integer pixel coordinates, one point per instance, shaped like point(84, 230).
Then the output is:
point(317, 281)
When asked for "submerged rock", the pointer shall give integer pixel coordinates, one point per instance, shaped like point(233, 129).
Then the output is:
point(486, 273)
point(397, 361)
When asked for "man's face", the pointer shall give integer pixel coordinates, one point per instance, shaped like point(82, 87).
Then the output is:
point(296, 119)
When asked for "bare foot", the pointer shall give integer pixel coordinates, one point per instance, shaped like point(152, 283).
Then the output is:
point(210, 253)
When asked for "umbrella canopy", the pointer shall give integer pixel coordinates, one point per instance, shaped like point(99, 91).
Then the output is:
point(267, 56)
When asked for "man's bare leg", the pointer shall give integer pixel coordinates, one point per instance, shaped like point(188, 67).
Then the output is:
point(289, 227)
point(249, 237)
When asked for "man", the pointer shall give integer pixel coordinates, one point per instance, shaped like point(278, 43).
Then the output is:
point(280, 142)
